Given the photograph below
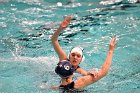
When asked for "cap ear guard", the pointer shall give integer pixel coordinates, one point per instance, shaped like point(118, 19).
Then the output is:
point(83, 58)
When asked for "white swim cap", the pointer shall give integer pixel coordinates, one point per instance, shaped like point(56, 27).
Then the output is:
point(78, 50)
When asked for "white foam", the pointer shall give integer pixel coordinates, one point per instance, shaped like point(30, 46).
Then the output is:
point(30, 59)
point(59, 4)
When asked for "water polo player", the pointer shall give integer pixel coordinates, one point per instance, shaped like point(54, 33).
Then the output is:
point(69, 64)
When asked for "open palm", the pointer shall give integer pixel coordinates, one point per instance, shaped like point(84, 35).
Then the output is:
point(65, 22)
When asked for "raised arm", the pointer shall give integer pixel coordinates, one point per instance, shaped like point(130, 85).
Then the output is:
point(95, 76)
point(62, 55)
point(106, 66)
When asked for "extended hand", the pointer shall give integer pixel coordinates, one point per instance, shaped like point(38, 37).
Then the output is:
point(112, 44)
point(65, 22)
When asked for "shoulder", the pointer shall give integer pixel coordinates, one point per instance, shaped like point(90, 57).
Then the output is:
point(77, 68)
point(80, 70)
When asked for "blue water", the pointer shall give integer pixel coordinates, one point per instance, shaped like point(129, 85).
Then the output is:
point(27, 58)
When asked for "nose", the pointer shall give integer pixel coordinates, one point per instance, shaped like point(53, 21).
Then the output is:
point(75, 57)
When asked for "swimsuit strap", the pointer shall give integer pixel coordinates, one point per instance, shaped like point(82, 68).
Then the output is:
point(77, 68)
point(68, 86)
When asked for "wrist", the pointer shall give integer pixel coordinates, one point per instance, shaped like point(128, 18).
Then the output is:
point(61, 28)
point(110, 51)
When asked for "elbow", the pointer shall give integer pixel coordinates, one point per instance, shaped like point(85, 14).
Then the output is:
point(104, 72)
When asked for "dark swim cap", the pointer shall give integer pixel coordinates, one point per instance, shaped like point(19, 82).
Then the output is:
point(64, 69)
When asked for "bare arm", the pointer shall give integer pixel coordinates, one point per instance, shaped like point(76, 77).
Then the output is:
point(95, 76)
point(106, 66)
point(82, 71)
point(62, 55)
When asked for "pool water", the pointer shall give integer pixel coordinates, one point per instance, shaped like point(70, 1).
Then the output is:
point(27, 58)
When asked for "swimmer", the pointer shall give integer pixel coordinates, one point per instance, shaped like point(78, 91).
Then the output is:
point(75, 56)
point(69, 64)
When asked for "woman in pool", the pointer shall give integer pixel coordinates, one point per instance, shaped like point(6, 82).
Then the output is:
point(69, 64)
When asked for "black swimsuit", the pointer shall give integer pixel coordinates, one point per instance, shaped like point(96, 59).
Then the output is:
point(68, 86)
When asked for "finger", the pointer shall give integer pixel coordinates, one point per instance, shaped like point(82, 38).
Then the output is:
point(64, 17)
point(113, 39)
point(69, 18)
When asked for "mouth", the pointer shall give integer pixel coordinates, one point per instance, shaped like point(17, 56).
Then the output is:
point(75, 61)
